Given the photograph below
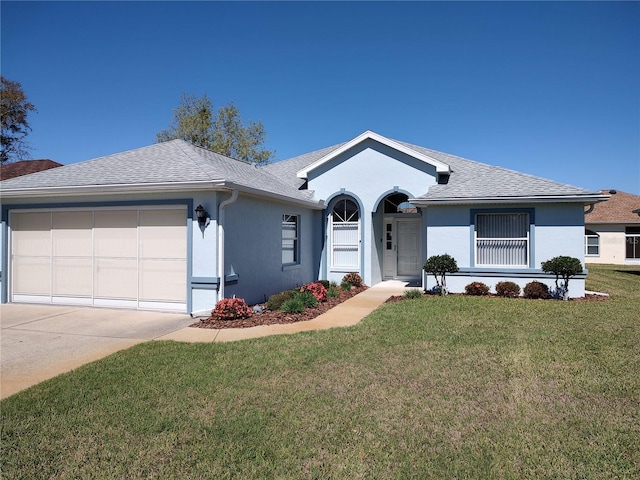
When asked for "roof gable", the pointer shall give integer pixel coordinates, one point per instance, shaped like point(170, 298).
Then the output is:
point(440, 167)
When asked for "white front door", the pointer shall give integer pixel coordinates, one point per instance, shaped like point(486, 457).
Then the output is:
point(401, 246)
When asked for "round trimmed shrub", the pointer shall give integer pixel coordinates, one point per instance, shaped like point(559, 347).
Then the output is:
point(353, 278)
point(536, 290)
point(508, 289)
point(476, 288)
point(275, 301)
point(231, 309)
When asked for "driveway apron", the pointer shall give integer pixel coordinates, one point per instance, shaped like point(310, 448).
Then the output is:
point(39, 342)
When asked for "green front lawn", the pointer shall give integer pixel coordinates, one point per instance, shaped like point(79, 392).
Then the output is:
point(440, 387)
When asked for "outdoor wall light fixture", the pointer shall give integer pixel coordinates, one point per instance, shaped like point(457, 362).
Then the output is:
point(201, 215)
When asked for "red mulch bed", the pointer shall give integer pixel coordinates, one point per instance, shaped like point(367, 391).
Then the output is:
point(268, 317)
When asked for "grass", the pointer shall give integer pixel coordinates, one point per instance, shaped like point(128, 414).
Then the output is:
point(441, 387)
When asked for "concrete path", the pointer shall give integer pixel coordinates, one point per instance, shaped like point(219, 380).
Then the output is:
point(346, 314)
point(39, 342)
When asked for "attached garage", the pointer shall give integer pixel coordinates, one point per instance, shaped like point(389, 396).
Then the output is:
point(132, 257)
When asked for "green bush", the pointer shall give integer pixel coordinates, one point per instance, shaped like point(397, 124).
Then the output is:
point(325, 283)
point(275, 301)
point(413, 293)
point(536, 290)
point(346, 286)
point(508, 289)
point(565, 268)
point(307, 298)
point(476, 288)
point(439, 266)
point(293, 305)
point(353, 278)
point(332, 292)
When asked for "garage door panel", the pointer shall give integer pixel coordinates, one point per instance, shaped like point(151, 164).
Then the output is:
point(116, 278)
point(31, 275)
point(31, 233)
point(72, 234)
point(73, 277)
point(163, 280)
point(162, 234)
point(115, 233)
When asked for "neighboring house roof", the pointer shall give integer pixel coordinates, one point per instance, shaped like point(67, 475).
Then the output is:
point(171, 165)
point(25, 167)
point(621, 207)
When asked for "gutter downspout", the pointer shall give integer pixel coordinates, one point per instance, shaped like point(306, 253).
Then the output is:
point(221, 209)
point(590, 209)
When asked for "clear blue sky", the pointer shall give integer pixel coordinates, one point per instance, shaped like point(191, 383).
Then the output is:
point(547, 88)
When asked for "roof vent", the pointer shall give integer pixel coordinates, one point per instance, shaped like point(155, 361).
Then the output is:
point(613, 192)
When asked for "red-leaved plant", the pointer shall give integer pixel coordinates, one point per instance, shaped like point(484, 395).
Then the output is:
point(317, 290)
point(231, 309)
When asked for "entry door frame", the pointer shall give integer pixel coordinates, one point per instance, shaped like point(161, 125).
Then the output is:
point(390, 241)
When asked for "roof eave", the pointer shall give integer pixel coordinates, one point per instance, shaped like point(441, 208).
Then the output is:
point(275, 196)
point(585, 199)
point(109, 189)
point(440, 167)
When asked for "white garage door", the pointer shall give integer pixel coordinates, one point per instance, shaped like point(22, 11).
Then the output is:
point(129, 257)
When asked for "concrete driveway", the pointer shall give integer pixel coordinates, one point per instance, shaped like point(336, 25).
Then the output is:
point(39, 342)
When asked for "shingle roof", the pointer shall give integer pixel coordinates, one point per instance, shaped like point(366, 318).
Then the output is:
point(25, 167)
point(618, 209)
point(171, 162)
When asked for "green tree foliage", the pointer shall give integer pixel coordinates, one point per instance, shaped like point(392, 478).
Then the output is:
point(565, 268)
point(223, 132)
point(439, 266)
point(13, 116)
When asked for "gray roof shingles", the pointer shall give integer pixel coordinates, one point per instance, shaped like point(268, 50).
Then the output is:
point(179, 161)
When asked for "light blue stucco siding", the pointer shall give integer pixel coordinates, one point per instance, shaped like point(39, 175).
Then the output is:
point(253, 248)
point(366, 172)
point(555, 229)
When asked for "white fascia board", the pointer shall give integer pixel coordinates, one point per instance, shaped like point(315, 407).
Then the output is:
point(586, 199)
point(316, 205)
point(109, 189)
point(440, 167)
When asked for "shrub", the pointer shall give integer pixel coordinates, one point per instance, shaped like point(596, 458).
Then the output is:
point(332, 292)
point(325, 283)
point(565, 268)
point(353, 279)
point(307, 299)
point(316, 289)
point(346, 286)
point(508, 289)
point(231, 309)
point(413, 293)
point(476, 288)
point(439, 266)
point(293, 305)
point(536, 290)
point(275, 301)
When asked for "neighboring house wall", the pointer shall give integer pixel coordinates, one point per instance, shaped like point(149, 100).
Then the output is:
point(555, 229)
point(612, 244)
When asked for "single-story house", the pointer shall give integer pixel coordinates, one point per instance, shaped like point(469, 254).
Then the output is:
point(175, 227)
point(612, 230)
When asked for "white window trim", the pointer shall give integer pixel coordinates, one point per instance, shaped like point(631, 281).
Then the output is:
point(586, 245)
point(296, 239)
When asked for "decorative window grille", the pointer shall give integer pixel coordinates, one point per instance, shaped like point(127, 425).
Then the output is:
point(345, 235)
point(502, 239)
point(290, 252)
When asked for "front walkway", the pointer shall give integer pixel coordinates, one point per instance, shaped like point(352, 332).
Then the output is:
point(344, 315)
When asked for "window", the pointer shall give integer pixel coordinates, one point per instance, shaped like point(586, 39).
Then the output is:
point(632, 237)
point(502, 239)
point(290, 232)
point(345, 235)
point(591, 243)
